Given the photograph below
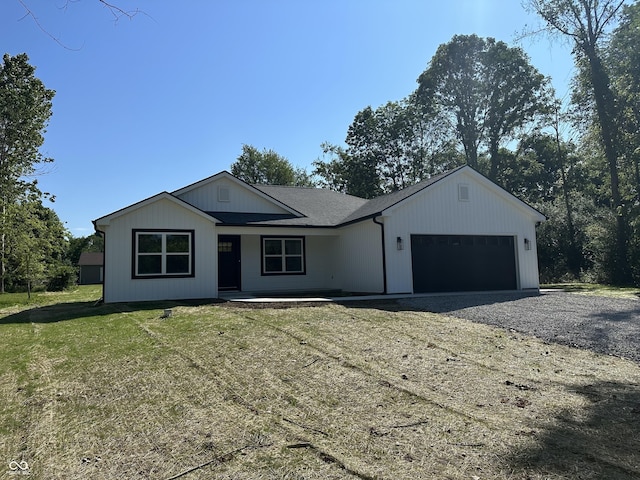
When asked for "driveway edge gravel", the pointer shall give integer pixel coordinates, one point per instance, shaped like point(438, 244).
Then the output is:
point(602, 324)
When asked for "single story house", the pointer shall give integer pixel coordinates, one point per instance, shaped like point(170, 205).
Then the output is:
point(456, 231)
point(91, 268)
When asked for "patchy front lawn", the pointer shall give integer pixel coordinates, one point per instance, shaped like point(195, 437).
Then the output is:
point(360, 391)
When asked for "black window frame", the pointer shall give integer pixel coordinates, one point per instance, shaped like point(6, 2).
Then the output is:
point(163, 253)
point(283, 255)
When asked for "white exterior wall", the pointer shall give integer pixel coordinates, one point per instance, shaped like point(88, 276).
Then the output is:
point(162, 214)
point(360, 253)
point(241, 199)
point(437, 210)
point(321, 266)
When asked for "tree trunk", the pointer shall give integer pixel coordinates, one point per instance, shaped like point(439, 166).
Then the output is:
point(469, 138)
point(573, 255)
point(604, 108)
point(495, 159)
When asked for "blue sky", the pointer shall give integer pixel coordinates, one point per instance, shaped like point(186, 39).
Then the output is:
point(169, 97)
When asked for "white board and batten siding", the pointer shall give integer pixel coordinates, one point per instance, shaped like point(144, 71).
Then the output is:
point(348, 258)
point(465, 203)
point(161, 214)
point(321, 266)
point(225, 194)
point(360, 254)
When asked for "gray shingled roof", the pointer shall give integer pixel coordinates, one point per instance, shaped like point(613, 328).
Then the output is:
point(91, 258)
point(321, 207)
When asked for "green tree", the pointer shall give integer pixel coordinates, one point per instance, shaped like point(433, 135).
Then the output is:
point(389, 148)
point(586, 23)
point(588, 234)
point(346, 173)
point(516, 92)
point(622, 56)
point(37, 245)
point(377, 142)
point(488, 89)
point(78, 245)
point(332, 173)
point(403, 142)
point(547, 173)
point(432, 143)
point(268, 168)
point(25, 109)
point(453, 83)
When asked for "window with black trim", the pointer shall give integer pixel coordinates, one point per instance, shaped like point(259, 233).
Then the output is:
point(283, 256)
point(163, 253)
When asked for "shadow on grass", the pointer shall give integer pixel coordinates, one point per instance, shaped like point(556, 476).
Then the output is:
point(61, 312)
point(599, 442)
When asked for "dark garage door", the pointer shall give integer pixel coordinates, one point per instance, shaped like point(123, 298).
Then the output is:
point(454, 263)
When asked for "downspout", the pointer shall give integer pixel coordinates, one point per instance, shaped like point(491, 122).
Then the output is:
point(384, 255)
point(104, 257)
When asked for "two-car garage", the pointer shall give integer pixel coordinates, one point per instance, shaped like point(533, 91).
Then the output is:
point(450, 263)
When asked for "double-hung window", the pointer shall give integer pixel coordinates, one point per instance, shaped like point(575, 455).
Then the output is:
point(163, 253)
point(283, 256)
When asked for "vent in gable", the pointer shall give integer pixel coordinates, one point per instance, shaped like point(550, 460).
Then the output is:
point(463, 192)
point(223, 193)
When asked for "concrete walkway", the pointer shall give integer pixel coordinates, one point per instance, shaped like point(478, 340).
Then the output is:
point(246, 297)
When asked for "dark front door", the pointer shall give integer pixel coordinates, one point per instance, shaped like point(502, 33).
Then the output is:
point(451, 263)
point(228, 262)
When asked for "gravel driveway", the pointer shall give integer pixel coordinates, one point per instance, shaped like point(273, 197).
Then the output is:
point(603, 324)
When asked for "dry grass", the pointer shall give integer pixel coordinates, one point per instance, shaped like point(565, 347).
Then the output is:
point(596, 289)
point(326, 392)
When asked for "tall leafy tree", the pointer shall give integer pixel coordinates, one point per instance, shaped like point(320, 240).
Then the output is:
point(379, 139)
point(516, 92)
point(453, 82)
point(362, 160)
point(346, 173)
point(268, 167)
point(548, 175)
point(488, 89)
point(407, 142)
point(388, 148)
point(432, 143)
point(37, 244)
point(587, 23)
point(622, 56)
point(25, 109)
point(354, 170)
